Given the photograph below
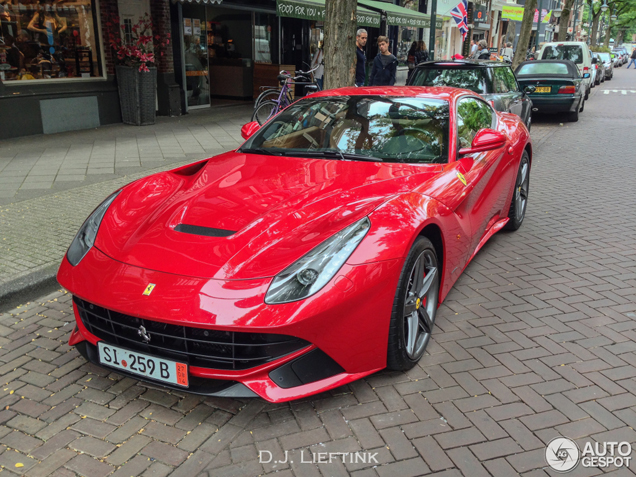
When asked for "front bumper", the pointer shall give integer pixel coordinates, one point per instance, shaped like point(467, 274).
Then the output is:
point(347, 321)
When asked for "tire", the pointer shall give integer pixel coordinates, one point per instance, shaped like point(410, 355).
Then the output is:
point(574, 116)
point(587, 95)
point(402, 355)
point(519, 201)
point(582, 106)
point(264, 111)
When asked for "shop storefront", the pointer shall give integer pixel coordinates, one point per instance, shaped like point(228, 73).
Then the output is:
point(52, 69)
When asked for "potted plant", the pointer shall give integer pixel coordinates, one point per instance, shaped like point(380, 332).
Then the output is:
point(136, 50)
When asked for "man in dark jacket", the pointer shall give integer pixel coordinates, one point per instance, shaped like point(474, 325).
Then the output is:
point(361, 41)
point(483, 53)
point(384, 65)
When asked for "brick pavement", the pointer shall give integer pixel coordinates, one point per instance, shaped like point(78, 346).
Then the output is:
point(536, 340)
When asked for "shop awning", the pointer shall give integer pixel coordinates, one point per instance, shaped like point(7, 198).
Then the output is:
point(400, 16)
point(315, 10)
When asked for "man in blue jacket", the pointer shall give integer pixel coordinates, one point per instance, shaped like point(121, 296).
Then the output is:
point(361, 41)
point(384, 65)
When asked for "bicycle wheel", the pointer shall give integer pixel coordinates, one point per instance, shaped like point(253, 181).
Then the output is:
point(268, 94)
point(264, 111)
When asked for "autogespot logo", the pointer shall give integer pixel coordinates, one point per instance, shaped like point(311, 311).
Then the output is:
point(562, 454)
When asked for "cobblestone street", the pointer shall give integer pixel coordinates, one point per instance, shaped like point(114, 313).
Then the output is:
point(536, 340)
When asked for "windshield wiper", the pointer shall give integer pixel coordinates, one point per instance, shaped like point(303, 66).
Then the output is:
point(337, 154)
point(260, 150)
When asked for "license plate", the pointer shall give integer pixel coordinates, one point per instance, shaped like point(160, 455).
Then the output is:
point(141, 364)
point(543, 89)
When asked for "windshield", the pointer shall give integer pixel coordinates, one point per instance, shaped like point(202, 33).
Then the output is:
point(375, 128)
point(563, 52)
point(543, 69)
point(473, 79)
point(604, 56)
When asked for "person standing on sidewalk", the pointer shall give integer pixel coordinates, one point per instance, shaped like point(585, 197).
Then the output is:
point(473, 49)
point(632, 59)
point(483, 53)
point(361, 65)
point(384, 65)
point(318, 62)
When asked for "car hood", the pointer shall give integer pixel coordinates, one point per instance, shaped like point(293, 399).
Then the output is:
point(241, 216)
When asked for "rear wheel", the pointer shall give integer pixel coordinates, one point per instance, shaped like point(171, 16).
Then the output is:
point(587, 94)
point(264, 111)
point(582, 106)
point(414, 306)
point(520, 196)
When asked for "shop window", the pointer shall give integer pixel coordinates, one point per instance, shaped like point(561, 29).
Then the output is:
point(265, 38)
point(43, 40)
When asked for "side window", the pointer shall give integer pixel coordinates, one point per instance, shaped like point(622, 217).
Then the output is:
point(499, 80)
point(472, 116)
point(511, 81)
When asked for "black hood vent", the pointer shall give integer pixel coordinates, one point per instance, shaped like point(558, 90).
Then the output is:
point(205, 231)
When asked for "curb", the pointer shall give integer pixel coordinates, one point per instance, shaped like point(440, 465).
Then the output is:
point(27, 287)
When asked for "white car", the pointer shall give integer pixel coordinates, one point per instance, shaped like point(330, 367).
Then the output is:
point(575, 51)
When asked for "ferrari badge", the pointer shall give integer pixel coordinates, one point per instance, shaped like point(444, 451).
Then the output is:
point(149, 289)
point(461, 177)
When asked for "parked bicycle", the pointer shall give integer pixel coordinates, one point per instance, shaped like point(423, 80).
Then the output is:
point(273, 100)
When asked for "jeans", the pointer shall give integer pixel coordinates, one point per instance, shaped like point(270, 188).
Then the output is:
point(633, 61)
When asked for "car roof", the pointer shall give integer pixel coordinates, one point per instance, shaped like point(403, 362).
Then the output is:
point(462, 63)
point(431, 92)
point(572, 68)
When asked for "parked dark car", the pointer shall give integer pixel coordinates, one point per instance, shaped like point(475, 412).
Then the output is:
point(493, 80)
point(599, 66)
point(558, 86)
point(608, 62)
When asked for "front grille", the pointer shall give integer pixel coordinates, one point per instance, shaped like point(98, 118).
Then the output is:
point(196, 346)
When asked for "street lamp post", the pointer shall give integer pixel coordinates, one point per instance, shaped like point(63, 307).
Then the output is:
point(576, 7)
point(536, 40)
point(431, 40)
point(557, 14)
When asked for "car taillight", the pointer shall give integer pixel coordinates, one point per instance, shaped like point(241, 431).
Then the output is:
point(585, 69)
point(567, 90)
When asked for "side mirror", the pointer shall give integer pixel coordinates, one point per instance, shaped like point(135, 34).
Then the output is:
point(250, 128)
point(586, 75)
point(529, 89)
point(485, 140)
point(594, 61)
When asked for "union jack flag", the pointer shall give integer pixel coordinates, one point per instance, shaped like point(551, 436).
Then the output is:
point(459, 13)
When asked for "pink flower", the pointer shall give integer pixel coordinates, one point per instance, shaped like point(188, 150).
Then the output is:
point(143, 68)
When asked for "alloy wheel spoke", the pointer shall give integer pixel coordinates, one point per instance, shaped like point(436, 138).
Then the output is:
point(413, 332)
point(425, 320)
point(418, 275)
point(428, 281)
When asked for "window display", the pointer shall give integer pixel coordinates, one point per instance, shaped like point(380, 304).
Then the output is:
point(48, 39)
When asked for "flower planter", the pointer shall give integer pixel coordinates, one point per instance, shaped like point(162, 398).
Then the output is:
point(137, 95)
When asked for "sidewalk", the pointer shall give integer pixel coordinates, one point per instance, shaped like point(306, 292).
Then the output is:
point(49, 184)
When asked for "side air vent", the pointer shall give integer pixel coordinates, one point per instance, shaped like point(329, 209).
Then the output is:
point(205, 231)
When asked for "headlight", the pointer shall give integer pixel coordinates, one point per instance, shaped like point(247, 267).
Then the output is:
point(85, 238)
point(312, 272)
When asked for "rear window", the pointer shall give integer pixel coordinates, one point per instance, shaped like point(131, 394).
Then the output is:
point(473, 79)
point(563, 52)
point(543, 69)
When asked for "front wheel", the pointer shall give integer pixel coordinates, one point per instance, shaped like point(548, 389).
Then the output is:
point(520, 196)
point(414, 306)
point(264, 111)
